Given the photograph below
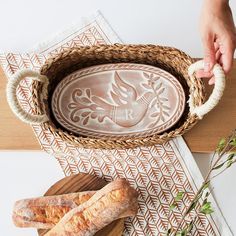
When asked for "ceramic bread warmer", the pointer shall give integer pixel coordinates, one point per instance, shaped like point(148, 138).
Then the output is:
point(117, 96)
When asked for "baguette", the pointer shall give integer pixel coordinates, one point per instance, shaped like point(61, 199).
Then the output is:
point(115, 200)
point(45, 212)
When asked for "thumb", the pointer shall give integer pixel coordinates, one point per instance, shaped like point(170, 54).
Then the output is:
point(209, 53)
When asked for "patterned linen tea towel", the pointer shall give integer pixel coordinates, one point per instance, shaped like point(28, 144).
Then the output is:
point(157, 172)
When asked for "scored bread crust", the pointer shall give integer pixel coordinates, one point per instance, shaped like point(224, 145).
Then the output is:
point(46, 212)
point(115, 200)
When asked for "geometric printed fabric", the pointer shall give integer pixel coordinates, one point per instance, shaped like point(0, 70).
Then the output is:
point(157, 172)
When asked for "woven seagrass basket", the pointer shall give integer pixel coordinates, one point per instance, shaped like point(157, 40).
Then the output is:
point(169, 59)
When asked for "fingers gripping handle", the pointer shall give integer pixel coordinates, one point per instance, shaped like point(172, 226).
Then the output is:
point(13, 102)
point(216, 94)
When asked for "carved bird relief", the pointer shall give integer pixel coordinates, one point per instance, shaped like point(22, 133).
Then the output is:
point(128, 111)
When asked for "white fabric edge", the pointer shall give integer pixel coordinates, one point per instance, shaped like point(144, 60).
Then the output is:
point(193, 170)
point(75, 26)
point(107, 28)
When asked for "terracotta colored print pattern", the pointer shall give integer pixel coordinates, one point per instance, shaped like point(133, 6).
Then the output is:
point(156, 172)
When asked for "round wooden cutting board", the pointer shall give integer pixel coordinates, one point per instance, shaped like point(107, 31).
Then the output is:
point(84, 182)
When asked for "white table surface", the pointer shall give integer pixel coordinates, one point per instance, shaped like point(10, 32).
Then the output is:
point(26, 23)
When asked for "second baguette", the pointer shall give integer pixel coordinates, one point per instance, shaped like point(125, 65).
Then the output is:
point(115, 200)
point(45, 212)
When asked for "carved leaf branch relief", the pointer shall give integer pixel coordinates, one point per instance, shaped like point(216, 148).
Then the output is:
point(127, 107)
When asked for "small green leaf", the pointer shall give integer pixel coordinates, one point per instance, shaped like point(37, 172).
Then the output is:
point(172, 206)
point(206, 208)
point(206, 185)
point(231, 156)
point(207, 194)
point(190, 227)
point(168, 232)
point(222, 142)
point(221, 145)
point(192, 206)
point(182, 232)
point(207, 211)
point(206, 205)
point(233, 142)
point(229, 163)
point(218, 166)
point(230, 160)
point(179, 196)
point(204, 201)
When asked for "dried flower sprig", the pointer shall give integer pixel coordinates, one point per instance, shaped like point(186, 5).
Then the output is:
point(222, 159)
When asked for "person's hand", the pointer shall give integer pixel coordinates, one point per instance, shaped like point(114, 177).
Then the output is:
point(218, 36)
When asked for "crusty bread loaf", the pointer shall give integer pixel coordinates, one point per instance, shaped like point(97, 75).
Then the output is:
point(114, 201)
point(45, 212)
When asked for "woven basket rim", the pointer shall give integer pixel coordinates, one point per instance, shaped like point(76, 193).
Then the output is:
point(114, 51)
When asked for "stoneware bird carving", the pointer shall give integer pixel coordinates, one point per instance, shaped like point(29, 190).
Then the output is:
point(129, 109)
point(121, 99)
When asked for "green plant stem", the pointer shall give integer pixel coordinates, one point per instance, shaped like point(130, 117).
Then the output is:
point(213, 177)
point(207, 179)
point(211, 163)
point(194, 199)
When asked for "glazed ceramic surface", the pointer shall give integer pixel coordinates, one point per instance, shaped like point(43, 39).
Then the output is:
point(118, 100)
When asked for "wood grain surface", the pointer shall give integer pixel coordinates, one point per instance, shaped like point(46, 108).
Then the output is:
point(15, 135)
point(84, 182)
point(217, 124)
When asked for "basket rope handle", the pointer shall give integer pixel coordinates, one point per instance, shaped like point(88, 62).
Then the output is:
point(216, 94)
point(13, 102)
